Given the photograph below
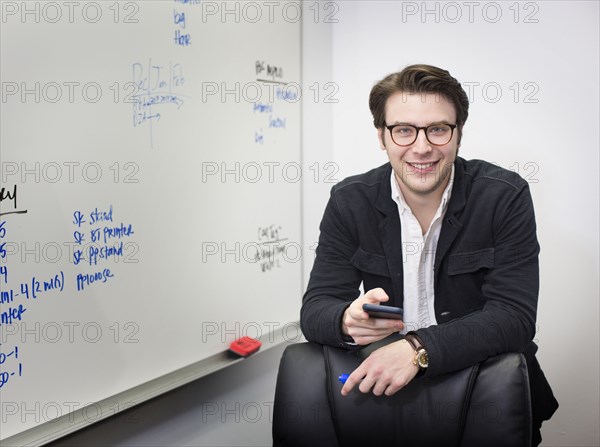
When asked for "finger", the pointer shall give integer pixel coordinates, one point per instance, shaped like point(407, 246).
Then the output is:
point(376, 295)
point(352, 381)
point(383, 325)
point(367, 340)
point(381, 386)
point(369, 337)
point(357, 313)
point(366, 384)
point(377, 326)
point(401, 380)
point(366, 328)
point(396, 385)
point(392, 389)
point(377, 377)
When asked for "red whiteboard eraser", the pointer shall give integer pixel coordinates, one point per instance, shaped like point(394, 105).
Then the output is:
point(245, 346)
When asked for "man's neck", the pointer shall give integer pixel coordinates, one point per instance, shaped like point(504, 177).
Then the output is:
point(423, 206)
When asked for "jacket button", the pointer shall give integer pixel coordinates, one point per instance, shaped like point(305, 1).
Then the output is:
point(444, 314)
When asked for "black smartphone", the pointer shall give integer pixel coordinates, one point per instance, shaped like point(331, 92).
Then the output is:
point(379, 311)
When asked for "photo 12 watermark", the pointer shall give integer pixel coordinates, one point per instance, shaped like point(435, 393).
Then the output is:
point(525, 92)
point(126, 12)
point(270, 11)
point(39, 412)
point(227, 331)
point(54, 252)
point(69, 172)
point(69, 91)
point(72, 332)
point(470, 12)
point(268, 172)
point(267, 92)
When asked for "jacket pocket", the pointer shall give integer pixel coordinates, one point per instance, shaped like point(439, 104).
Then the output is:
point(370, 263)
point(471, 261)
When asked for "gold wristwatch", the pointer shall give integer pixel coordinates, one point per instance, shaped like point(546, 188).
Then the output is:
point(421, 358)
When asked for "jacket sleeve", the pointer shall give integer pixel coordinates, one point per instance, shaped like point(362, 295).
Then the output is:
point(334, 282)
point(506, 322)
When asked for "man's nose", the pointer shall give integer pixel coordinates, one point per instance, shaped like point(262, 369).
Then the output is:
point(421, 144)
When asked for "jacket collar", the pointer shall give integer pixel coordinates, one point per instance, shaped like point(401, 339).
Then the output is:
point(459, 190)
point(384, 202)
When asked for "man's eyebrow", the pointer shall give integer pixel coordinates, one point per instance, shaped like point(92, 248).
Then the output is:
point(395, 123)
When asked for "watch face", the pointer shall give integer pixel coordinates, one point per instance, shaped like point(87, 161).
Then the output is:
point(423, 359)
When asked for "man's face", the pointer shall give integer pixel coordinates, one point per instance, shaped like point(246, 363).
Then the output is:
point(422, 169)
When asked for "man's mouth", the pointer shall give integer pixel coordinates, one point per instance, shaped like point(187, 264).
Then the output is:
point(423, 166)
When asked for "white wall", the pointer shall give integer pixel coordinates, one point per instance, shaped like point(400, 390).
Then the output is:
point(319, 96)
point(552, 142)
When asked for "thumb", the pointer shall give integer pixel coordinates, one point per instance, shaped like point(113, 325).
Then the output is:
point(377, 295)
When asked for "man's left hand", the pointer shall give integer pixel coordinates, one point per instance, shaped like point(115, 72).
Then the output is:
point(386, 370)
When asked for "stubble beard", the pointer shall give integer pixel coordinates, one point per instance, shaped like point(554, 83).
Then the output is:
point(441, 180)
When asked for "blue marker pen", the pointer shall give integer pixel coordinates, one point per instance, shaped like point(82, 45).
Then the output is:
point(343, 377)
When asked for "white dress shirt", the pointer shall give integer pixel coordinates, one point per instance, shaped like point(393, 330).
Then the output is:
point(418, 255)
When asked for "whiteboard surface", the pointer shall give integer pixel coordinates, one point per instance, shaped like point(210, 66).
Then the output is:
point(150, 194)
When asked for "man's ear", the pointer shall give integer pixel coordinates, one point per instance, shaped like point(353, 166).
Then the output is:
point(380, 135)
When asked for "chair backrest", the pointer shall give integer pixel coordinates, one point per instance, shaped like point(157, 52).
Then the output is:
point(485, 405)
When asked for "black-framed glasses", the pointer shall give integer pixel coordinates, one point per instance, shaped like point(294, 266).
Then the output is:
point(437, 134)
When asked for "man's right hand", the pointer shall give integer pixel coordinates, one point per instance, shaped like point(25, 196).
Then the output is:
point(365, 330)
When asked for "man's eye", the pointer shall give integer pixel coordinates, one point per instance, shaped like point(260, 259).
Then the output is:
point(404, 130)
point(437, 130)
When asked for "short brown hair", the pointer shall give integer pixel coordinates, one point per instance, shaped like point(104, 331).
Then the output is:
point(419, 78)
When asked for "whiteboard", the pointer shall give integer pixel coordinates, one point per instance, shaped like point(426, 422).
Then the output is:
point(150, 186)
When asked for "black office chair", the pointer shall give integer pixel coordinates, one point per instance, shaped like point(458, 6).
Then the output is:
point(486, 405)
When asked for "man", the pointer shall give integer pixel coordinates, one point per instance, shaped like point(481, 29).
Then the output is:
point(453, 242)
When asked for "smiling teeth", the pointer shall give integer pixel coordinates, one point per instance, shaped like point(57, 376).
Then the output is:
point(423, 165)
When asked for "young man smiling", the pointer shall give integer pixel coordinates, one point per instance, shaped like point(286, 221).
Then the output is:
point(451, 241)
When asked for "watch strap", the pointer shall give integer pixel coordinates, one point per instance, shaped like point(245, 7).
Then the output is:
point(415, 341)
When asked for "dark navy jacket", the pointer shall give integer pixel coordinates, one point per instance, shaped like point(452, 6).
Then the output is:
point(486, 265)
